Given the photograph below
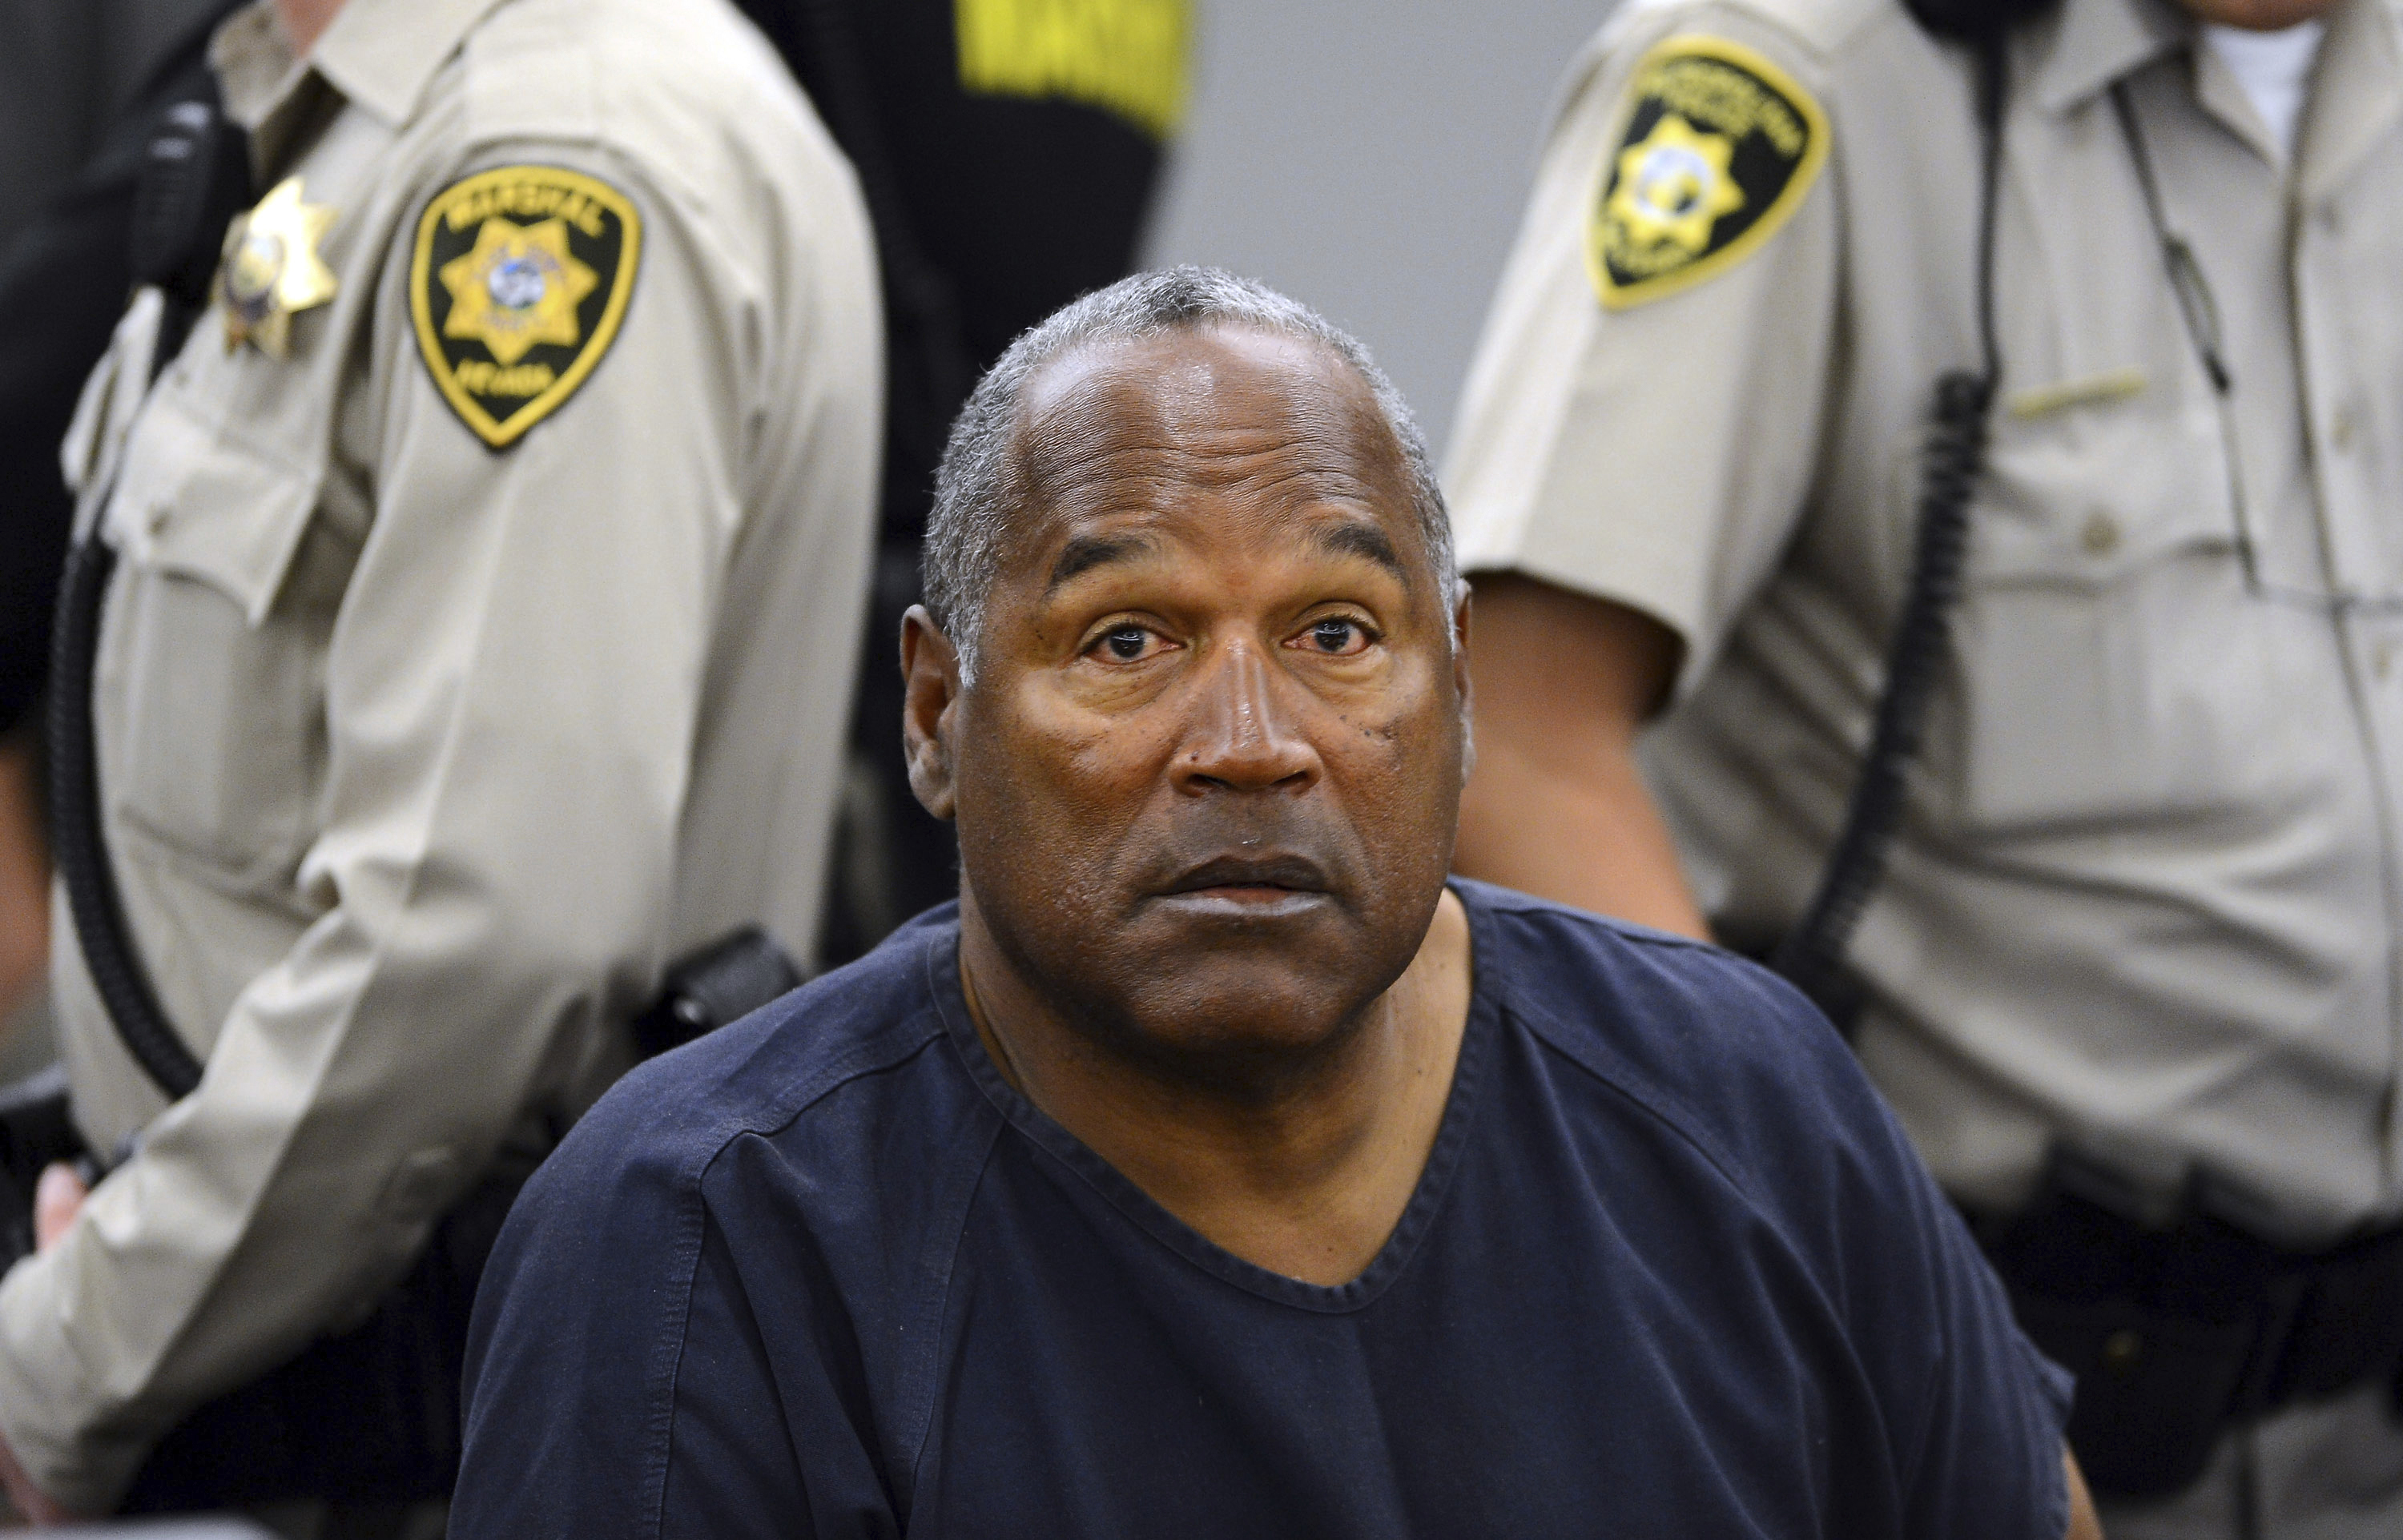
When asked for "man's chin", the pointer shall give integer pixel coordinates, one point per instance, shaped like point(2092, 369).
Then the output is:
point(1249, 986)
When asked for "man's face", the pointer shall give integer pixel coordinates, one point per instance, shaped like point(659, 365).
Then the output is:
point(1209, 774)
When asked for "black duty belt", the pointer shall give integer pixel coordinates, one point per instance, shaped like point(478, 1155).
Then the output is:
point(2180, 1334)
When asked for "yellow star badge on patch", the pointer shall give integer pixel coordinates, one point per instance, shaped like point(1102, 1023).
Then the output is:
point(519, 287)
point(519, 281)
point(271, 270)
point(1675, 186)
point(1718, 148)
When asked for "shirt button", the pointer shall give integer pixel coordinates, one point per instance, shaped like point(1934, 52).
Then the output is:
point(2341, 428)
point(2101, 536)
point(2382, 660)
point(156, 517)
point(2329, 220)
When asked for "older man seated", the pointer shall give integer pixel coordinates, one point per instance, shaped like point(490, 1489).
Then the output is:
point(1214, 1168)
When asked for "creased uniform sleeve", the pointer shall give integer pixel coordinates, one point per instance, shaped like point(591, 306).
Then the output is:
point(517, 674)
point(1657, 455)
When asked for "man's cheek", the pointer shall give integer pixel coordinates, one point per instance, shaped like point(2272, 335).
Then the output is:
point(1046, 843)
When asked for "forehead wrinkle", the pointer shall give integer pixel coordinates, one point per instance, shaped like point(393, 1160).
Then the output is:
point(1129, 433)
point(1088, 461)
point(1289, 494)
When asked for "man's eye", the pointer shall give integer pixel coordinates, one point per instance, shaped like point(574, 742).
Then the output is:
point(1337, 636)
point(1127, 644)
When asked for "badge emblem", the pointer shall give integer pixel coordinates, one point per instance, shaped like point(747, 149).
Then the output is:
point(1719, 148)
point(519, 281)
point(270, 269)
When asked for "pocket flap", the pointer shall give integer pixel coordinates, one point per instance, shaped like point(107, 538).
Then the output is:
point(193, 500)
point(2082, 497)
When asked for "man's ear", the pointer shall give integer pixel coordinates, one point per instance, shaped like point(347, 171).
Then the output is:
point(930, 695)
point(1460, 681)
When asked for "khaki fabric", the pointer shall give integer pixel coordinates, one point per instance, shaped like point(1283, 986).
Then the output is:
point(2143, 902)
point(420, 758)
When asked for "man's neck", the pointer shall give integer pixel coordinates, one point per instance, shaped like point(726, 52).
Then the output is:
point(1307, 1179)
point(304, 22)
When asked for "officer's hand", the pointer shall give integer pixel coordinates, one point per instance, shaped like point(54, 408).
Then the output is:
point(57, 1198)
point(30, 1501)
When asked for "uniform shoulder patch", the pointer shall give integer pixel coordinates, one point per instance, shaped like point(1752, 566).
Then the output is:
point(1720, 145)
point(516, 286)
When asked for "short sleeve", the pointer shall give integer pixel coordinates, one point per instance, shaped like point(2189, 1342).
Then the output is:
point(616, 1382)
point(659, 1350)
point(1973, 1416)
point(1988, 1428)
point(576, 1345)
point(1652, 443)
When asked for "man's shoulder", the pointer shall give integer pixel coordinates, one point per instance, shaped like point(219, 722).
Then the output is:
point(1547, 941)
point(1721, 1051)
point(831, 1063)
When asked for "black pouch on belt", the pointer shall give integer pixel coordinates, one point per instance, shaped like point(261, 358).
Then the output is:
point(2178, 1335)
point(35, 1130)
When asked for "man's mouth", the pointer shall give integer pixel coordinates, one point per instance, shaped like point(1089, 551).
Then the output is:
point(1254, 883)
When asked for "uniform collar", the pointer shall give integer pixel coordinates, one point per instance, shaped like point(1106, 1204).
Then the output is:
point(378, 53)
point(2356, 96)
point(256, 70)
point(2091, 43)
point(381, 53)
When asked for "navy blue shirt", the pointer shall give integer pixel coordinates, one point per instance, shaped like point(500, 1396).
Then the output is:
point(1670, 1270)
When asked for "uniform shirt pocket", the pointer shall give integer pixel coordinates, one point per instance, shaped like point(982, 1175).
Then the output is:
point(2083, 497)
point(209, 687)
point(2112, 667)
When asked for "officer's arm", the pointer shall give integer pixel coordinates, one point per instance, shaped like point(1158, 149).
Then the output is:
point(2084, 1524)
point(514, 685)
point(1563, 684)
point(1634, 448)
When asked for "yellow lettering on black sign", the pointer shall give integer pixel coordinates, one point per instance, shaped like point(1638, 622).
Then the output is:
point(1129, 57)
point(1718, 147)
point(518, 280)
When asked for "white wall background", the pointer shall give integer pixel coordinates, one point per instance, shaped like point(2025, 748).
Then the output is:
point(1370, 158)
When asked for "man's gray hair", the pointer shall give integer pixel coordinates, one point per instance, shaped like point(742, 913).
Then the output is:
point(978, 487)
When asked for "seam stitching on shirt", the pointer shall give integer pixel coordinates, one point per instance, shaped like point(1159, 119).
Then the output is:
point(691, 1225)
point(943, 1311)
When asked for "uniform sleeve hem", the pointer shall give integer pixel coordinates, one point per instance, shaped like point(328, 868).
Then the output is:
point(1615, 590)
point(46, 1401)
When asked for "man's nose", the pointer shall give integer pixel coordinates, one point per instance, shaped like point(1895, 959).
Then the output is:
point(1244, 736)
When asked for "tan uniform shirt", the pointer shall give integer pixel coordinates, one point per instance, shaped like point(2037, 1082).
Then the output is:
point(2144, 900)
point(420, 756)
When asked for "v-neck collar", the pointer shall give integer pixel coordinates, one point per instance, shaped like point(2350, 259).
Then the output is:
point(1469, 1073)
